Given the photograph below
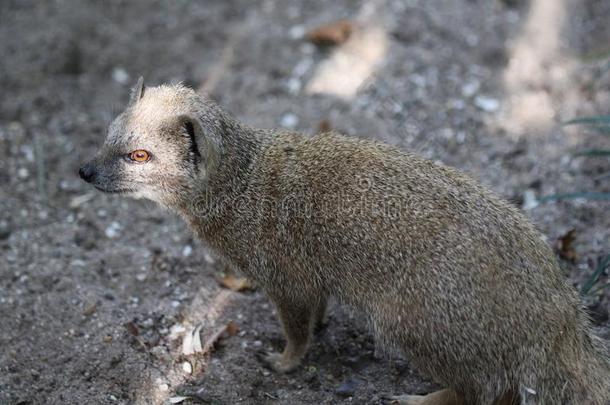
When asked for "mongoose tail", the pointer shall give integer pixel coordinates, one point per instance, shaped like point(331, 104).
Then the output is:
point(578, 373)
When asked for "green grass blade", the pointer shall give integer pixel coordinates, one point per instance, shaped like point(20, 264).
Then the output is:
point(601, 267)
point(596, 56)
point(599, 288)
point(600, 120)
point(587, 195)
point(602, 130)
point(594, 152)
point(602, 176)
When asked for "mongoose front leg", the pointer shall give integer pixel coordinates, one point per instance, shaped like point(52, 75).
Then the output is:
point(442, 397)
point(297, 320)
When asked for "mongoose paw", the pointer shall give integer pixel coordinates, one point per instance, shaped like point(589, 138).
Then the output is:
point(404, 399)
point(278, 362)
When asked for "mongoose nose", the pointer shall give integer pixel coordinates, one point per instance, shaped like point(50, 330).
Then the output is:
point(87, 172)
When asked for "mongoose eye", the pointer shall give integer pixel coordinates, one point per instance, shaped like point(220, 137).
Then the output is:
point(139, 155)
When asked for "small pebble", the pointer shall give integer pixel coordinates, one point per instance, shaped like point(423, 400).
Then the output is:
point(187, 251)
point(289, 120)
point(302, 67)
point(23, 173)
point(472, 39)
point(455, 104)
point(28, 151)
point(487, 104)
point(469, 89)
point(5, 230)
point(297, 32)
point(120, 75)
point(158, 351)
point(113, 230)
point(418, 80)
point(529, 200)
point(208, 259)
point(187, 367)
point(294, 85)
point(347, 388)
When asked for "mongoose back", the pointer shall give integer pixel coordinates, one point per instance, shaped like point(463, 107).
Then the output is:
point(447, 272)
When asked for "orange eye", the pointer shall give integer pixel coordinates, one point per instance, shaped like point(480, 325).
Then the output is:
point(139, 155)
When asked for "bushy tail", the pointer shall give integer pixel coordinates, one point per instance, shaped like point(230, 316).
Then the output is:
point(596, 379)
point(578, 374)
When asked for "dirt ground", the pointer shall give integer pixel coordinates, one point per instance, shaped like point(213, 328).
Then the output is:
point(98, 292)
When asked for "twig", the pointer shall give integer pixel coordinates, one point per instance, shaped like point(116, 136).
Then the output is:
point(226, 57)
point(40, 169)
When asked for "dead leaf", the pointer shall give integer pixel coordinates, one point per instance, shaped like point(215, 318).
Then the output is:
point(191, 343)
point(212, 340)
point(232, 328)
point(565, 246)
point(90, 310)
point(332, 34)
point(324, 126)
point(235, 283)
point(131, 328)
point(177, 400)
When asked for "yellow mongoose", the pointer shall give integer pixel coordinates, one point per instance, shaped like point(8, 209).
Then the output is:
point(448, 273)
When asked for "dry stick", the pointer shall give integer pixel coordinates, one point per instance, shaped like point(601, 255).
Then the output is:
point(192, 342)
point(40, 169)
point(226, 57)
point(211, 341)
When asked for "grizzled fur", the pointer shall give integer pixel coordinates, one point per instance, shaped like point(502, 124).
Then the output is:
point(447, 272)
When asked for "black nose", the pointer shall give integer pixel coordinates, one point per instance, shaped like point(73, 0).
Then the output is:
point(87, 172)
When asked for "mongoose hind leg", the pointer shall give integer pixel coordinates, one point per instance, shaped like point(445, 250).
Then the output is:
point(298, 320)
point(442, 397)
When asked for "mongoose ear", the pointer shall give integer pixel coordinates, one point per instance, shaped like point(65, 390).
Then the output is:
point(202, 146)
point(137, 92)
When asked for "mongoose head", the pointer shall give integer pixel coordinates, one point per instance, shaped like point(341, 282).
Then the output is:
point(163, 145)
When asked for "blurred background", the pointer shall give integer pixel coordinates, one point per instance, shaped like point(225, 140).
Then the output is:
point(107, 300)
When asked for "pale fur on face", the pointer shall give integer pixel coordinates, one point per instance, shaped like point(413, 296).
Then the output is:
point(165, 123)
